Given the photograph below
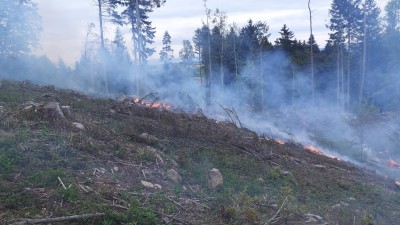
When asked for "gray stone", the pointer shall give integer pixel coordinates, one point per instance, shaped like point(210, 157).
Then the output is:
point(78, 126)
point(214, 179)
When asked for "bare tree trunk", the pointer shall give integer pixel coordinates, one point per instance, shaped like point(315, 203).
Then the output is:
point(364, 59)
point(338, 77)
point(210, 77)
point(262, 78)
point(102, 51)
point(236, 67)
point(342, 76)
point(348, 64)
point(311, 53)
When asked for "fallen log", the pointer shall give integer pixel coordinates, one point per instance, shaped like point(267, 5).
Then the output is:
point(58, 219)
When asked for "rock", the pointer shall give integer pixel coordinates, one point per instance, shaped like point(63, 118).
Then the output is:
point(174, 176)
point(214, 179)
point(78, 126)
point(148, 136)
point(150, 185)
point(116, 168)
point(51, 111)
point(311, 218)
point(147, 184)
point(397, 182)
point(285, 173)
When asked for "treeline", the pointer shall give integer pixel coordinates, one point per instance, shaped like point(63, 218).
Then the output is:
point(359, 64)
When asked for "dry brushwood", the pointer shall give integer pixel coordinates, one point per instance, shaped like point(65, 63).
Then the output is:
point(232, 115)
point(58, 219)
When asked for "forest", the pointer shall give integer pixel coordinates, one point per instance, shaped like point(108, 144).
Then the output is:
point(357, 66)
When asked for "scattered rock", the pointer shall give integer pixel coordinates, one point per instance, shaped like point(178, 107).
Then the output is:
point(320, 166)
point(148, 136)
point(285, 173)
point(311, 218)
point(150, 185)
point(51, 111)
point(78, 126)
point(147, 184)
point(214, 179)
point(174, 176)
point(116, 168)
point(397, 182)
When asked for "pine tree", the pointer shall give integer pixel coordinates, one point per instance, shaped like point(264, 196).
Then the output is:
point(187, 54)
point(286, 42)
point(20, 25)
point(166, 53)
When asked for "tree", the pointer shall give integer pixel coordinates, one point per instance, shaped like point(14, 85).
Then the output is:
point(345, 23)
point(372, 43)
point(200, 40)
point(20, 25)
point(135, 13)
point(166, 53)
point(219, 21)
point(311, 51)
point(286, 42)
point(187, 54)
point(119, 50)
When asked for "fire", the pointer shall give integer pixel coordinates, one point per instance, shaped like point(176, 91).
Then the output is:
point(157, 105)
point(394, 164)
point(279, 141)
point(314, 149)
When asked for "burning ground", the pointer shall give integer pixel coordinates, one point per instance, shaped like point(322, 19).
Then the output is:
point(52, 168)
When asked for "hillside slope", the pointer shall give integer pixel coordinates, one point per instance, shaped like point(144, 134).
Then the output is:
point(51, 167)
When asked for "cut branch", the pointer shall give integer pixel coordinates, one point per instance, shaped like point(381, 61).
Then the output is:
point(59, 219)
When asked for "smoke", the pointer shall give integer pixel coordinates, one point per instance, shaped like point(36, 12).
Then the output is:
point(288, 110)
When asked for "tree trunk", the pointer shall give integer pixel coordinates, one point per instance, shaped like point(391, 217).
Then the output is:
point(210, 77)
point(311, 53)
point(338, 77)
point(102, 50)
point(364, 59)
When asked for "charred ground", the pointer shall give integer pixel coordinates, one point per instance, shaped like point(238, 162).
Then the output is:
point(102, 167)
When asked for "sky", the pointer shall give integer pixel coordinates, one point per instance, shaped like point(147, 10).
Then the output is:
point(65, 22)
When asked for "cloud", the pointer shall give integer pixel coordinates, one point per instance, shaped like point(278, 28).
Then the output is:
point(65, 22)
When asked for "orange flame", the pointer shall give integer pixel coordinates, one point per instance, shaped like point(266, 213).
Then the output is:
point(393, 163)
point(158, 105)
point(279, 141)
point(314, 149)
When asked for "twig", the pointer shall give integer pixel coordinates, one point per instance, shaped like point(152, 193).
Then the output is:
point(147, 96)
point(144, 175)
point(277, 213)
point(61, 182)
point(58, 219)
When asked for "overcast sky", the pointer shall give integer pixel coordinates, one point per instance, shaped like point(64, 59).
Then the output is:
point(65, 22)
